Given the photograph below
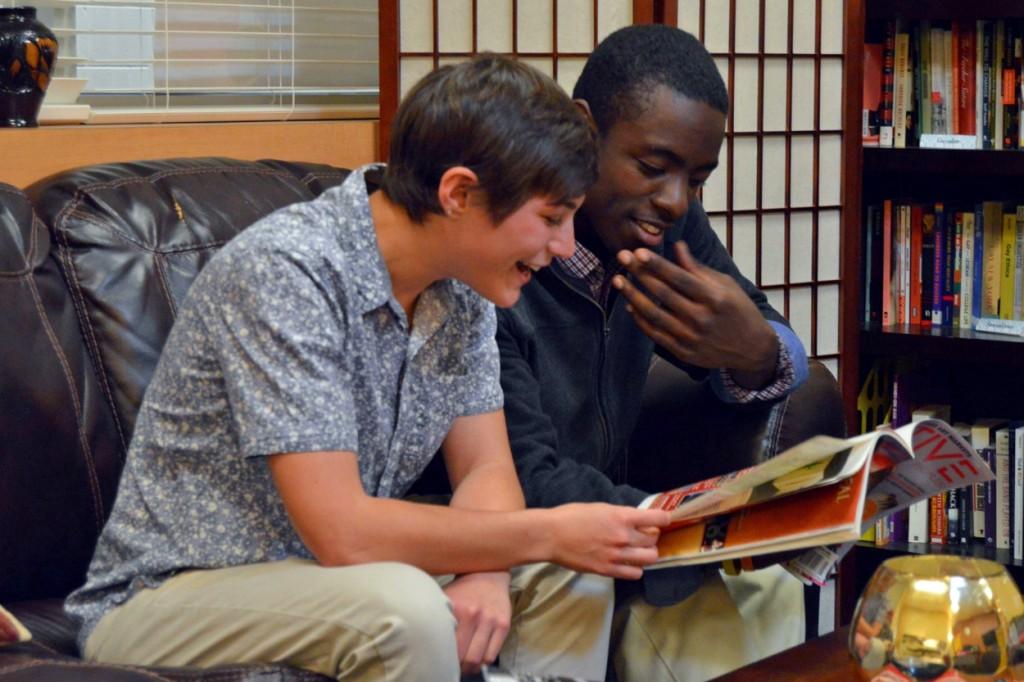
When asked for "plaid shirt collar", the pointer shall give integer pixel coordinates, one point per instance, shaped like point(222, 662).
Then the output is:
point(586, 266)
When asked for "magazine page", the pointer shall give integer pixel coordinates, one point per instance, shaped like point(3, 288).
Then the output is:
point(819, 461)
point(942, 460)
point(814, 516)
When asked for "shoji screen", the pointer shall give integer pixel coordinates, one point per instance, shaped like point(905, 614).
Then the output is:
point(553, 35)
point(775, 199)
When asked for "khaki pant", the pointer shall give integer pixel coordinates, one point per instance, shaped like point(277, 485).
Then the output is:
point(382, 621)
point(728, 622)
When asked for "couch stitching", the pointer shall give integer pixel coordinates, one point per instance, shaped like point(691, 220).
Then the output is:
point(94, 485)
point(165, 288)
point(32, 238)
point(160, 175)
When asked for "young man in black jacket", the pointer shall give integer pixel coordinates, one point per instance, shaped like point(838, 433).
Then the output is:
point(649, 276)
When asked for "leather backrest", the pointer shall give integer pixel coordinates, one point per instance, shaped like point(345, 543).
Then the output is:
point(95, 299)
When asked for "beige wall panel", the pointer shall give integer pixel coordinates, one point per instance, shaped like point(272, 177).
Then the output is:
point(773, 173)
point(804, 18)
point(534, 24)
point(569, 70)
point(748, 29)
point(542, 64)
point(745, 95)
point(714, 197)
point(494, 26)
point(801, 171)
point(800, 314)
point(777, 299)
point(829, 169)
point(688, 16)
point(722, 64)
point(828, 244)
point(832, 365)
point(803, 94)
point(575, 25)
point(719, 225)
point(416, 25)
point(744, 245)
point(613, 15)
point(776, 26)
point(828, 319)
point(831, 94)
point(412, 69)
point(445, 61)
point(744, 176)
point(716, 25)
point(801, 257)
point(832, 27)
point(774, 100)
point(455, 25)
point(773, 249)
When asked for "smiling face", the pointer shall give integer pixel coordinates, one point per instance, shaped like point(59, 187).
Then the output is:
point(502, 257)
point(650, 168)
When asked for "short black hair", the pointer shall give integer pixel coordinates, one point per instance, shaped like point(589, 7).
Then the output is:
point(504, 120)
point(627, 66)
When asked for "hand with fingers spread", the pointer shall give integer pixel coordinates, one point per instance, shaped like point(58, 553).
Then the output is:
point(483, 612)
point(612, 540)
point(700, 315)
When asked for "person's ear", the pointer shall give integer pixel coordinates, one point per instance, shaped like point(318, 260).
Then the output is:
point(582, 105)
point(454, 188)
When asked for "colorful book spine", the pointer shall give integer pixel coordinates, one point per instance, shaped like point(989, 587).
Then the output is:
point(1008, 250)
point(967, 268)
point(927, 265)
point(939, 262)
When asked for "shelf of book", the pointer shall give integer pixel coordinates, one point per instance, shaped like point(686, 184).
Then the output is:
point(1002, 556)
point(943, 343)
point(944, 9)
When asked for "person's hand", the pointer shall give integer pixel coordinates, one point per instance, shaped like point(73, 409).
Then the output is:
point(612, 540)
point(483, 611)
point(698, 314)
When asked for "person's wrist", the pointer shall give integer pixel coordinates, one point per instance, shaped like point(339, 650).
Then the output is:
point(763, 362)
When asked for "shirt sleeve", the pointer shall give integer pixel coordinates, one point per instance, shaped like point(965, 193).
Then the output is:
point(790, 372)
point(481, 383)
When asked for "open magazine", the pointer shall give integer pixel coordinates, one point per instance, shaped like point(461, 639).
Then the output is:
point(824, 491)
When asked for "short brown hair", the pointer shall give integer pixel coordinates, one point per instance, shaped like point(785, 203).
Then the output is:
point(507, 122)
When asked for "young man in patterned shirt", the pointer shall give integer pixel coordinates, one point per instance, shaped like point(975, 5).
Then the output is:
point(320, 360)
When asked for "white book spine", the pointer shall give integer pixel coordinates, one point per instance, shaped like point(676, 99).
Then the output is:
point(967, 271)
point(1003, 489)
point(917, 522)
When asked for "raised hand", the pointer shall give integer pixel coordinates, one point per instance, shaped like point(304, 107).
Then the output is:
point(612, 540)
point(483, 612)
point(700, 315)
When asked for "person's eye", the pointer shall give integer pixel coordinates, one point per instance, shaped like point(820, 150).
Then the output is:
point(649, 169)
point(554, 220)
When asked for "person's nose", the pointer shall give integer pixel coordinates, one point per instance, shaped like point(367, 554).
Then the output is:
point(563, 244)
point(673, 197)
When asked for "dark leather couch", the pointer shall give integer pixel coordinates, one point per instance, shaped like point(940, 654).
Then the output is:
point(94, 264)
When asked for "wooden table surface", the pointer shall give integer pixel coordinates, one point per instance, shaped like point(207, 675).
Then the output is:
point(825, 659)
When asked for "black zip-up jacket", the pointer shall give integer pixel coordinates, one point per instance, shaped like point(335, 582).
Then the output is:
point(573, 376)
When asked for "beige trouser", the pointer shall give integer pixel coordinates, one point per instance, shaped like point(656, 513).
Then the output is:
point(728, 622)
point(381, 621)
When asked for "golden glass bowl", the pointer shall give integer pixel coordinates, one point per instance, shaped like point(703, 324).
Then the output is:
point(931, 616)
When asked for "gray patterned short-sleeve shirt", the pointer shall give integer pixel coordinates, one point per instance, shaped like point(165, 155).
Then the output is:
point(290, 340)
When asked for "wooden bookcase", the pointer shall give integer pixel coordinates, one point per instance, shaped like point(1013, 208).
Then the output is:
point(984, 372)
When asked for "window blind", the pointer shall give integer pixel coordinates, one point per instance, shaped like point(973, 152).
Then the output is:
point(218, 60)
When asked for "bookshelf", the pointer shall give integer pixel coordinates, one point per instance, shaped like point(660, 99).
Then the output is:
point(982, 374)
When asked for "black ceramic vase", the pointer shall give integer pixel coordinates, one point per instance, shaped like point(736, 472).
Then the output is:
point(28, 51)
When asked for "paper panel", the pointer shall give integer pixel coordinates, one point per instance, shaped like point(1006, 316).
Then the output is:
point(744, 176)
point(534, 24)
point(777, 299)
point(828, 319)
point(719, 223)
point(773, 172)
point(722, 64)
point(831, 116)
point(744, 245)
point(774, 100)
point(800, 314)
point(613, 15)
point(830, 154)
point(411, 69)
point(716, 25)
point(801, 252)
point(543, 64)
point(803, 94)
point(773, 249)
point(804, 18)
point(832, 365)
point(455, 25)
point(745, 95)
point(569, 70)
point(416, 26)
point(776, 26)
point(748, 17)
point(828, 245)
point(688, 16)
point(801, 171)
point(575, 25)
point(714, 196)
point(831, 26)
point(494, 27)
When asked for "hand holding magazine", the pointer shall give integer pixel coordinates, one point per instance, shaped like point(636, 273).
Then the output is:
point(824, 491)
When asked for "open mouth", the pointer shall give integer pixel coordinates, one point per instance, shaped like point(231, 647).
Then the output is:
point(649, 228)
point(527, 268)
